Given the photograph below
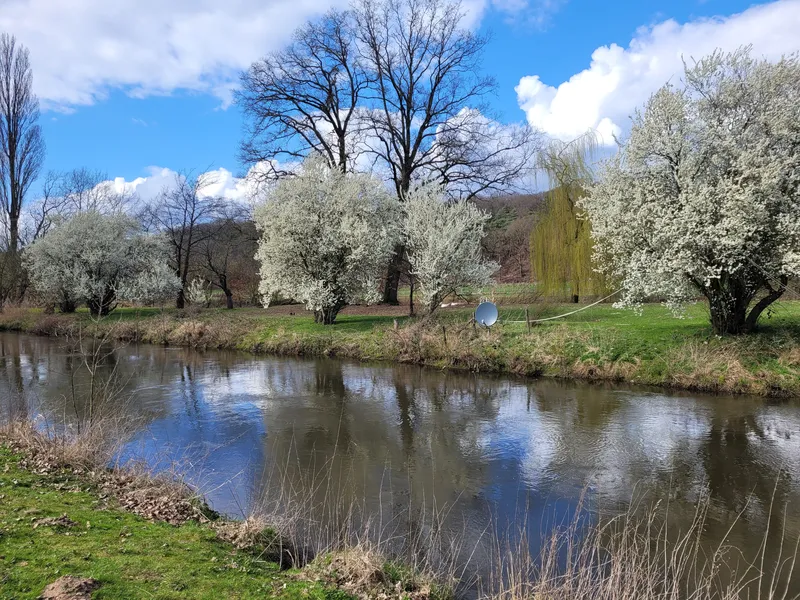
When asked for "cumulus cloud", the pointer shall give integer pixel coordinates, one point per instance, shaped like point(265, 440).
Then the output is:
point(81, 50)
point(222, 183)
point(619, 80)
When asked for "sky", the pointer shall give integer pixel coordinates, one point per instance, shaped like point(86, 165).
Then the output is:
point(142, 88)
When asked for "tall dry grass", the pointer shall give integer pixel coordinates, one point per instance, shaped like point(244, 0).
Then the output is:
point(403, 547)
point(640, 555)
point(316, 519)
point(86, 440)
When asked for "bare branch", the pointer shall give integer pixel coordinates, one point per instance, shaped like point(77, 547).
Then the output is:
point(303, 98)
point(22, 148)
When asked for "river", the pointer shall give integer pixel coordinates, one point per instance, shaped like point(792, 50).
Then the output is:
point(481, 452)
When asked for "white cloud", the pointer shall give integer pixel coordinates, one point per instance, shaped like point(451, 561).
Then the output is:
point(621, 79)
point(222, 184)
point(82, 49)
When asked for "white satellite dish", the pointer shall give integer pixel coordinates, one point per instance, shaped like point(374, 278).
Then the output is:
point(486, 314)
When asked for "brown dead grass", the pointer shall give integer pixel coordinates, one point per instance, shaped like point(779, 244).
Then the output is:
point(158, 497)
point(790, 358)
point(256, 536)
point(698, 366)
point(364, 573)
point(639, 555)
point(70, 588)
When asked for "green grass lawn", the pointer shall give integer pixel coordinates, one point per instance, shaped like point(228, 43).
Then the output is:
point(131, 557)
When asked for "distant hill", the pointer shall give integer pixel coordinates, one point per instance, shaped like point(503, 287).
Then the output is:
point(508, 233)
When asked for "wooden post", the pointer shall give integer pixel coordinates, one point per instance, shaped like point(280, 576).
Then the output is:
point(527, 319)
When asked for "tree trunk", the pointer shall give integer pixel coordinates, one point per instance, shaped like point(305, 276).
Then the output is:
point(100, 307)
point(434, 303)
point(729, 299)
point(13, 233)
point(393, 277)
point(327, 316)
point(724, 322)
point(752, 319)
point(67, 306)
point(228, 299)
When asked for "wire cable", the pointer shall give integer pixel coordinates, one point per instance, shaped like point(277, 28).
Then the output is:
point(569, 313)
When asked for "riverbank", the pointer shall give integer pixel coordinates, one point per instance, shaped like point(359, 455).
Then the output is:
point(598, 344)
point(57, 525)
point(63, 525)
point(67, 523)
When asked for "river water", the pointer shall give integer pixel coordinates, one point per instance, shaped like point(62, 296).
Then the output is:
point(482, 452)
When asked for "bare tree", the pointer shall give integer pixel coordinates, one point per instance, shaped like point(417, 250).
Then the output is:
point(429, 118)
point(66, 193)
point(87, 189)
point(227, 256)
point(179, 211)
point(22, 148)
point(397, 82)
point(40, 215)
point(304, 98)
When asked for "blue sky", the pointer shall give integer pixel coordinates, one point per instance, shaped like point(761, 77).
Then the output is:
point(131, 84)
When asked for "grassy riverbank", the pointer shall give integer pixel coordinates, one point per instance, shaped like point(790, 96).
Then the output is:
point(68, 520)
point(601, 343)
point(58, 524)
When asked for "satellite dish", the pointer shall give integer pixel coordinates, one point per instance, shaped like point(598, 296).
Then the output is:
point(486, 314)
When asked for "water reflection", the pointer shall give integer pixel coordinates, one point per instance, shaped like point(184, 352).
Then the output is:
point(388, 436)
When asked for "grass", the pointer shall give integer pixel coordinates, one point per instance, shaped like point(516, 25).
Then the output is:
point(130, 556)
point(601, 343)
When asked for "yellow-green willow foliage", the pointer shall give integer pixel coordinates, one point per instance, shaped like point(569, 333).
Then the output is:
point(561, 243)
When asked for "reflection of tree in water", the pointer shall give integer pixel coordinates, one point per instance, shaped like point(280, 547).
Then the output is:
point(732, 446)
point(744, 480)
point(13, 387)
point(50, 377)
point(385, 439)
point(586, 408)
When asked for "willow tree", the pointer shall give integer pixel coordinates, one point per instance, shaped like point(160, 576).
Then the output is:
point(561, 243)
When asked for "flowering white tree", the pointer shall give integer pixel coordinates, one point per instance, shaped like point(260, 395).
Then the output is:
point(199, 292)
point(325, 239)
point(443, 243)
point(704, 196)
point(100, 259)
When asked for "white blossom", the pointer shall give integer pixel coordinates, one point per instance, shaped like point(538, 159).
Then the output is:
point(703, 198)
point(326, 238)
point(200, 292)
point(100, 259)
point(443, 242)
